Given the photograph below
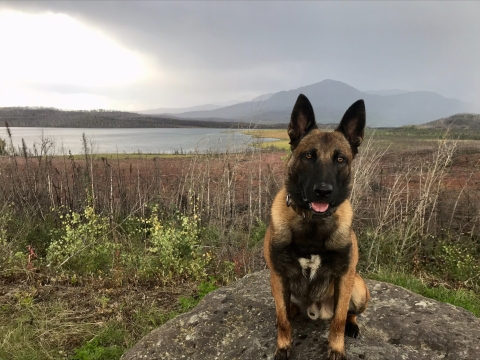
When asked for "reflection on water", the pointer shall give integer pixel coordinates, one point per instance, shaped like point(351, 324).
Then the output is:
point(144, 140)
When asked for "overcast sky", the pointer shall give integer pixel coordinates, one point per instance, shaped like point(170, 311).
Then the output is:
point(142, 55)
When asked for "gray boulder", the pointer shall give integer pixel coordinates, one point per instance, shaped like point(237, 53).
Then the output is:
point(238, 322)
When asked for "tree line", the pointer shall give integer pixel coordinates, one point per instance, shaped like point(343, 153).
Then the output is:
point(51, 117)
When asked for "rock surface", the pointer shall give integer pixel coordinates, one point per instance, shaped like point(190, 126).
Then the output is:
point(238, 322)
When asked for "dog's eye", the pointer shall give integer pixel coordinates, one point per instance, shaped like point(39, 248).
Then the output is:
point(340, 159)
point(308, 155)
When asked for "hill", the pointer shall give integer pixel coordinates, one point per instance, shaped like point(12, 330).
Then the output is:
point(49, 117)
point(458, 121)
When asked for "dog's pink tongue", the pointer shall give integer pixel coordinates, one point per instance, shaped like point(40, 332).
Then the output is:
point(319, 206)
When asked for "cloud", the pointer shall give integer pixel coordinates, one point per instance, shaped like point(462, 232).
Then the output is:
point(202, 52)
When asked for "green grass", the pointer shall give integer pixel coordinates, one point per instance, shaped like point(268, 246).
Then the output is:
point(105, 346)
point(466, 299)
point(187, 303)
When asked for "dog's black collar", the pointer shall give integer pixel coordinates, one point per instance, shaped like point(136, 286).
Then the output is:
point(307, 214)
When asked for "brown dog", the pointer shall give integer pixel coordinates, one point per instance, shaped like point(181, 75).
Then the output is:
point(309, 246)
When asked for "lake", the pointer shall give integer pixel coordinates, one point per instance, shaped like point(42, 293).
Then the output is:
point(144, 140)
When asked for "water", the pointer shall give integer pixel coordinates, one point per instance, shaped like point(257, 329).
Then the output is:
point(144, 140)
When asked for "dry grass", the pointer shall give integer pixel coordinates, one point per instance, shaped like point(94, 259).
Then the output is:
point(50, 321)
point(416, 205)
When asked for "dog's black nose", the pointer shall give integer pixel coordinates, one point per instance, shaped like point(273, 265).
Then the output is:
point(323, 190)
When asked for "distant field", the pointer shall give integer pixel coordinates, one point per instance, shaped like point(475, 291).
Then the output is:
point(131, 156)
point(394, 139)
point(281, 134)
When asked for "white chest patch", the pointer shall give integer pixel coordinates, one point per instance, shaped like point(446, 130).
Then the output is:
point(313, 264)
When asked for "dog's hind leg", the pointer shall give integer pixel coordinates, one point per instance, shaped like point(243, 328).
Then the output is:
point(342, 294)
point(358, 304)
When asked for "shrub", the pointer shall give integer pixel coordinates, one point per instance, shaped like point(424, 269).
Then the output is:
point(173, 248)
point(83, 244)
point(460, 264)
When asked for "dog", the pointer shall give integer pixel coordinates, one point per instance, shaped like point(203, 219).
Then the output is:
point(310, 247)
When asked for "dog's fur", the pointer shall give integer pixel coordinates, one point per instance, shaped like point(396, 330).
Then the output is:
point(309, 246)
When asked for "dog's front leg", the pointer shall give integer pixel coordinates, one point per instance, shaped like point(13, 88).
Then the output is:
point(342, 294)
point(281, 295)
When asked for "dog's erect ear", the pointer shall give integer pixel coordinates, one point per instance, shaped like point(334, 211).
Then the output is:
point(301, 121)
point(353, 124)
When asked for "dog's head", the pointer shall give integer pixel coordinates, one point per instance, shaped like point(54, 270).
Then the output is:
point(319, 170)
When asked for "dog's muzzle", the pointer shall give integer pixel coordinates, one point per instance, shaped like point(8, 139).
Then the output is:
point(308, 214)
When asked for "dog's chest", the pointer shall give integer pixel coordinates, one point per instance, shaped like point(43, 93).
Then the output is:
point(314, 262)
point(310, 266)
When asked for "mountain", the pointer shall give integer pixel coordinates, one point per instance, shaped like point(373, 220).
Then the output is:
point(227, 103)
point(262, 97)
point(160, 111)
point(172, 111)
point(330, 100)
point(386, 92)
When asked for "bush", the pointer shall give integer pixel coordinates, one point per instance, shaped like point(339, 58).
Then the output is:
point(83, 244)
point(173, 249)
point(162, 249)
point(460, 264)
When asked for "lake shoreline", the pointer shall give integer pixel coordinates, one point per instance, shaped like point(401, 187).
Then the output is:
point(158, 141)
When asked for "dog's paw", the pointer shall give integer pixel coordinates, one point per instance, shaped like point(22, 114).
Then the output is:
point(336, 355)
point(282, 354)
point(351, 329)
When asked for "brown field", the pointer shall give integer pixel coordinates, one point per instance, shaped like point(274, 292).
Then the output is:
point(412, 198)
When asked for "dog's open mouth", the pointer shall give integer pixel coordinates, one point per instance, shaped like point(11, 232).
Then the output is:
point(319, 207)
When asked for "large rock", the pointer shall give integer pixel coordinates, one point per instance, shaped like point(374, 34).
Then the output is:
point(238, 322)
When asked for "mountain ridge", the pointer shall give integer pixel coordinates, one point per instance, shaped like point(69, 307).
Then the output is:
point(330, 99)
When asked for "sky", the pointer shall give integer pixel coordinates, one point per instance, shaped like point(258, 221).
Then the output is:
point(142, 55)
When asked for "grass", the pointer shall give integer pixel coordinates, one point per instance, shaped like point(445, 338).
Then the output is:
point(102, 304)
point(281, 134)
point(466, 299)
point(80, 324)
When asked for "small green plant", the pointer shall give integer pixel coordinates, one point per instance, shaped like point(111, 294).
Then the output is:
point(106, 346)
point(103, 300)
point(93, 351)
point(9, 258)
point(173, 249)
point(187, 303)
point(3, 147)
point(83, 244)
point(258, 234)
point(207, 286)
point(25, 298)
point(460, 264)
